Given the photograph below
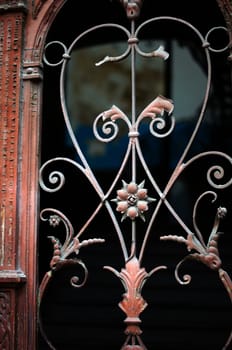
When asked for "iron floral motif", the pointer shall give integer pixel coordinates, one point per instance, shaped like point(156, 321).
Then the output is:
point(71, 245)
point(61, 254)
point(61, 251)
point(133, 278)
point(208, 253)
point(132, 200)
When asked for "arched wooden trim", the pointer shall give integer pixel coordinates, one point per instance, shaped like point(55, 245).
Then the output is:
point(226, 8)
point(35, 31)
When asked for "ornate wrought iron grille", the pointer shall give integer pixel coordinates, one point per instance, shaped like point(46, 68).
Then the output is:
point(133, 203)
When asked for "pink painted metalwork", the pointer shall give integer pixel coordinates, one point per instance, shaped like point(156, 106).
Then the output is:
point(133, 200)
point(133, 278)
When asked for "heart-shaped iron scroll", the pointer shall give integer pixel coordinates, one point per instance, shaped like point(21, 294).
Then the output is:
point(132, 199)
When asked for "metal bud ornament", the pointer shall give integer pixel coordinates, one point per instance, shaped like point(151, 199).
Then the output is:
point(132, 8)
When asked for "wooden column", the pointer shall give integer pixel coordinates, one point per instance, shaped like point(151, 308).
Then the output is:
point(12, 277)
point(23, 28)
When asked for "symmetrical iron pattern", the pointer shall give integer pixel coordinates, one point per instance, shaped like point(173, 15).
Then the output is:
point(133, 200)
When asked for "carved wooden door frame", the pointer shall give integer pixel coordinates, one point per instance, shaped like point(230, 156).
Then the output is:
point(24, 26)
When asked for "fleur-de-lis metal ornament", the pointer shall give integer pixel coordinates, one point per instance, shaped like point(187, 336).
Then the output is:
point(133, 278)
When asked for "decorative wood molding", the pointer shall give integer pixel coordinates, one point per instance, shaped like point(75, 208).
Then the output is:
point(32, 70)
point(36, 7)
point(15, 304)
point(42, 13)
point(7, 304)
point(10, 66)
point(12, 277)
point(12, 5)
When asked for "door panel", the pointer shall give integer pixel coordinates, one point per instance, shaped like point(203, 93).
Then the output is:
point(135, 179)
